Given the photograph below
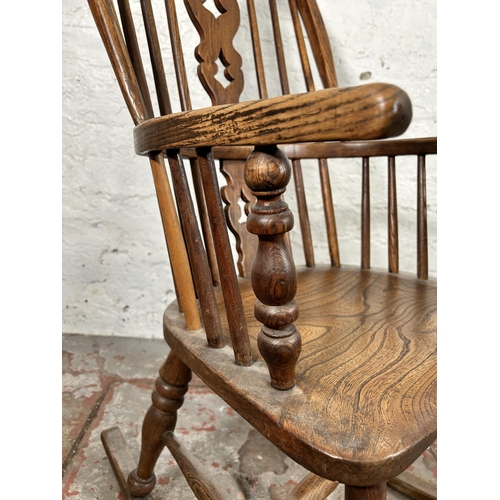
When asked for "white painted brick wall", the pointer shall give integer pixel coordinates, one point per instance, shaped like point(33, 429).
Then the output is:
point(116, 276)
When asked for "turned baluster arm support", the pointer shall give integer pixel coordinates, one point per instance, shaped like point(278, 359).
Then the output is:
point(274, 279)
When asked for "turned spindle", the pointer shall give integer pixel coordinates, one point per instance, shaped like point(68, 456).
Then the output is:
point(274, 280)
point(168, 396)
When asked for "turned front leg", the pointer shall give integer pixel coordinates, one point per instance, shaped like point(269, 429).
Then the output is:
point(376, 492)
point(274, 280)
point(168, 396)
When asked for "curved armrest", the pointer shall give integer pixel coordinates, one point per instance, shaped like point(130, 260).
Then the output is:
point(372, 111)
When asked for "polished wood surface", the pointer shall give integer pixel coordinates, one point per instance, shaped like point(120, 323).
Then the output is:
point(320, 43)
point(135, 56)
point(197, 256)
point(331, 225)
point(351, 149)
point(312, 487)
point(107, 23)
point(160, 80)
point(119, 457)
point(414, 486)
point(372, 111)
point(392, 222)
point(197, 475)
point(305, 226)
point(376, 492)
point(233, 193)
point(267, 173)
point(229, 284)
point(175, 244)
point(365, 214)
point(216, 42)
point(126, 64)
point(168, 396)
point(422, 245)
point(366, 378)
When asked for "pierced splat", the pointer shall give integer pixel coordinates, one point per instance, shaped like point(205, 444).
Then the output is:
point(233, 193)
point(220, 76)
point(216, 46)
point(211, 5)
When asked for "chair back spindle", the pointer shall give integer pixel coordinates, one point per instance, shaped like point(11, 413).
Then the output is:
point(108, 27)
point(257, 51)
point(175, 244)
point(299, 35)
point(135, 54)
point(278, 45)
point(326, 191)
point(305, 225)
point(165, 108)
point(393, 217)
point(319, 41)
point(156, 58)
point(230, 289)
point(185, 103)
point(198, 258)
point(179, 65)
point(365, 214)
point(197, 255)
point(331, 226)
point(422, 245)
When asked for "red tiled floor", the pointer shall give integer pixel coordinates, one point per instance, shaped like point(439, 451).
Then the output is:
point(107, 381)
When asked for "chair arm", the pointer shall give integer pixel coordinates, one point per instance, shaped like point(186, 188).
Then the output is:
point(372, 111)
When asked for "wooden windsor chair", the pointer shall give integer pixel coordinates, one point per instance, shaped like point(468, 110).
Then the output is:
point(348, 387)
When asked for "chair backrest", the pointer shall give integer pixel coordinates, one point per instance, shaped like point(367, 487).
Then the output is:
point(220, 73)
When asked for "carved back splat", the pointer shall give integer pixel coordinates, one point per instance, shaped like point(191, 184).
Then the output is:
point(308, 11)
point(236, 190)
point(216, 34)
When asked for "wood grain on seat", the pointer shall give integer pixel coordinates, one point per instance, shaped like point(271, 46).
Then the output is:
point(364, 407)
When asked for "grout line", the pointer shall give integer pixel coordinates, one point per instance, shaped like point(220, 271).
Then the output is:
point(83, 431)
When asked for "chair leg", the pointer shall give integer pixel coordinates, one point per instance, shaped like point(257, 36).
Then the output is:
point(376, 492)
point(168, 396)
